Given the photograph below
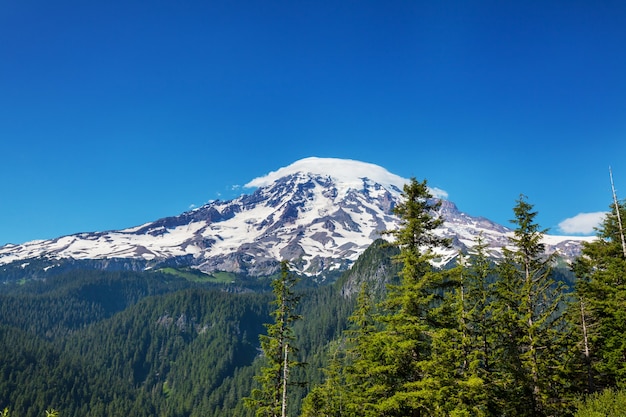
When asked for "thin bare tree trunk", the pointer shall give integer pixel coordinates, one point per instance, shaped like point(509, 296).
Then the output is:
point(586, 352)
point(285, 376)
point(619, 217)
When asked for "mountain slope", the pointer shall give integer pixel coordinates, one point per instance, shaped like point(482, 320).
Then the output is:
point(319, 213)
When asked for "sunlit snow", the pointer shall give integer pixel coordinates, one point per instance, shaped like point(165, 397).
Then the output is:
point(345, 171)
point(343, 208)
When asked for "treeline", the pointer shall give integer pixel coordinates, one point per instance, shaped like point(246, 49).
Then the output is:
point(60, 304)
point(101, 343)
point(483, 339)
point(94, 343)
point(392, 337)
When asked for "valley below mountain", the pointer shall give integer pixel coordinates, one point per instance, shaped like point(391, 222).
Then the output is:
point(165, 318)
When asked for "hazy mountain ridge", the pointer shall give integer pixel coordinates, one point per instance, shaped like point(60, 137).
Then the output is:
point(319, 213)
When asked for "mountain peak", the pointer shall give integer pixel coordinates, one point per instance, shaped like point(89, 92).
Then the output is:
point(344, 171)
point(318, 213)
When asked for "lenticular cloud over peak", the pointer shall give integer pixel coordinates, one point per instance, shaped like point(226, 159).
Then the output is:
point(343, 170)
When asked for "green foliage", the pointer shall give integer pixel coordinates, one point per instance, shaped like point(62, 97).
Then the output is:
point(328, 399)
point(527, 314)
point(473, 340)
point(602, 291)
point(99, 344)
point(278, 345)
point(458, 364)
point(48, 413)
point(387, 351)
point(608, 403)
point(375, 267)
point(68, 302)
point(195, 275)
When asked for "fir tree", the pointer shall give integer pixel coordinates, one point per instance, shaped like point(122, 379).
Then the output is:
point(349, 389)
point(271, 399)
point(526, 310)
point(471, 337)
point(387, 376)
point(481, 310)
point(329, 399)
point(609, 402)
point(363, 352)
point(451, 384)
point(601, 288)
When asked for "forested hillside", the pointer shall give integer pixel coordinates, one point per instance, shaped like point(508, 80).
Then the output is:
point(93, 343)
point(98, 343)
point(392, 336)
point(484, 338)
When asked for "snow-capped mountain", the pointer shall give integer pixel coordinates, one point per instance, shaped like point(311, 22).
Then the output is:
point(319, 213)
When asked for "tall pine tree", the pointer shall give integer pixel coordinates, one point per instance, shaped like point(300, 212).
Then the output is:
point(528, 318)
point(271, 399)
point(388, 377)
point(601, 288)
point(452, 384)
point(472, 392)
point(347, 390)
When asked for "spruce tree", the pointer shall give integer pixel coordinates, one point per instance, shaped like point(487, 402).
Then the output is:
point(329, 398)
point(349, 389)
point(528, 318)
point(388, 377)
point(477, 305)
point(475, 382)
point(362, 353)
point(452, 384)
point(601, 288)
point(270, 400)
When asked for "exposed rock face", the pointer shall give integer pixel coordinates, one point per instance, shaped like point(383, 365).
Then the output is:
point(320, 214)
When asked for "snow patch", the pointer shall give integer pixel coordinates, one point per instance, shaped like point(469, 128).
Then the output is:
point(346, 171)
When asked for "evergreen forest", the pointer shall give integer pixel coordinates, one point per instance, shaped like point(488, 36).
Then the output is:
point(392, 336)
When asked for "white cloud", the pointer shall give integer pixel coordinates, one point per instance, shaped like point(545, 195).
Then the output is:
point(345, 170)
point(582, 223)
point(439, 193)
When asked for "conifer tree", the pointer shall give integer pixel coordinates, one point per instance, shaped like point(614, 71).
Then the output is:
point(526, 310)
point(362, 353)
point(601, 287)
point(478, 304)
point(271, 399)
point(389, 342)
point(472, 345)
point(348, 389)
point(452, 384)
point(582, 326)
point(329, 399)
point(387, 378)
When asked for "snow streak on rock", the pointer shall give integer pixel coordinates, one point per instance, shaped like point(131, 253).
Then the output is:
point(318, 213)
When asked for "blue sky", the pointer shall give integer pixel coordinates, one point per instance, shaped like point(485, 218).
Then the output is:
point(115, 113)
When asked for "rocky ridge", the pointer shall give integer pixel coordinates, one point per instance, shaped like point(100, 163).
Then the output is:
point(318, 213)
